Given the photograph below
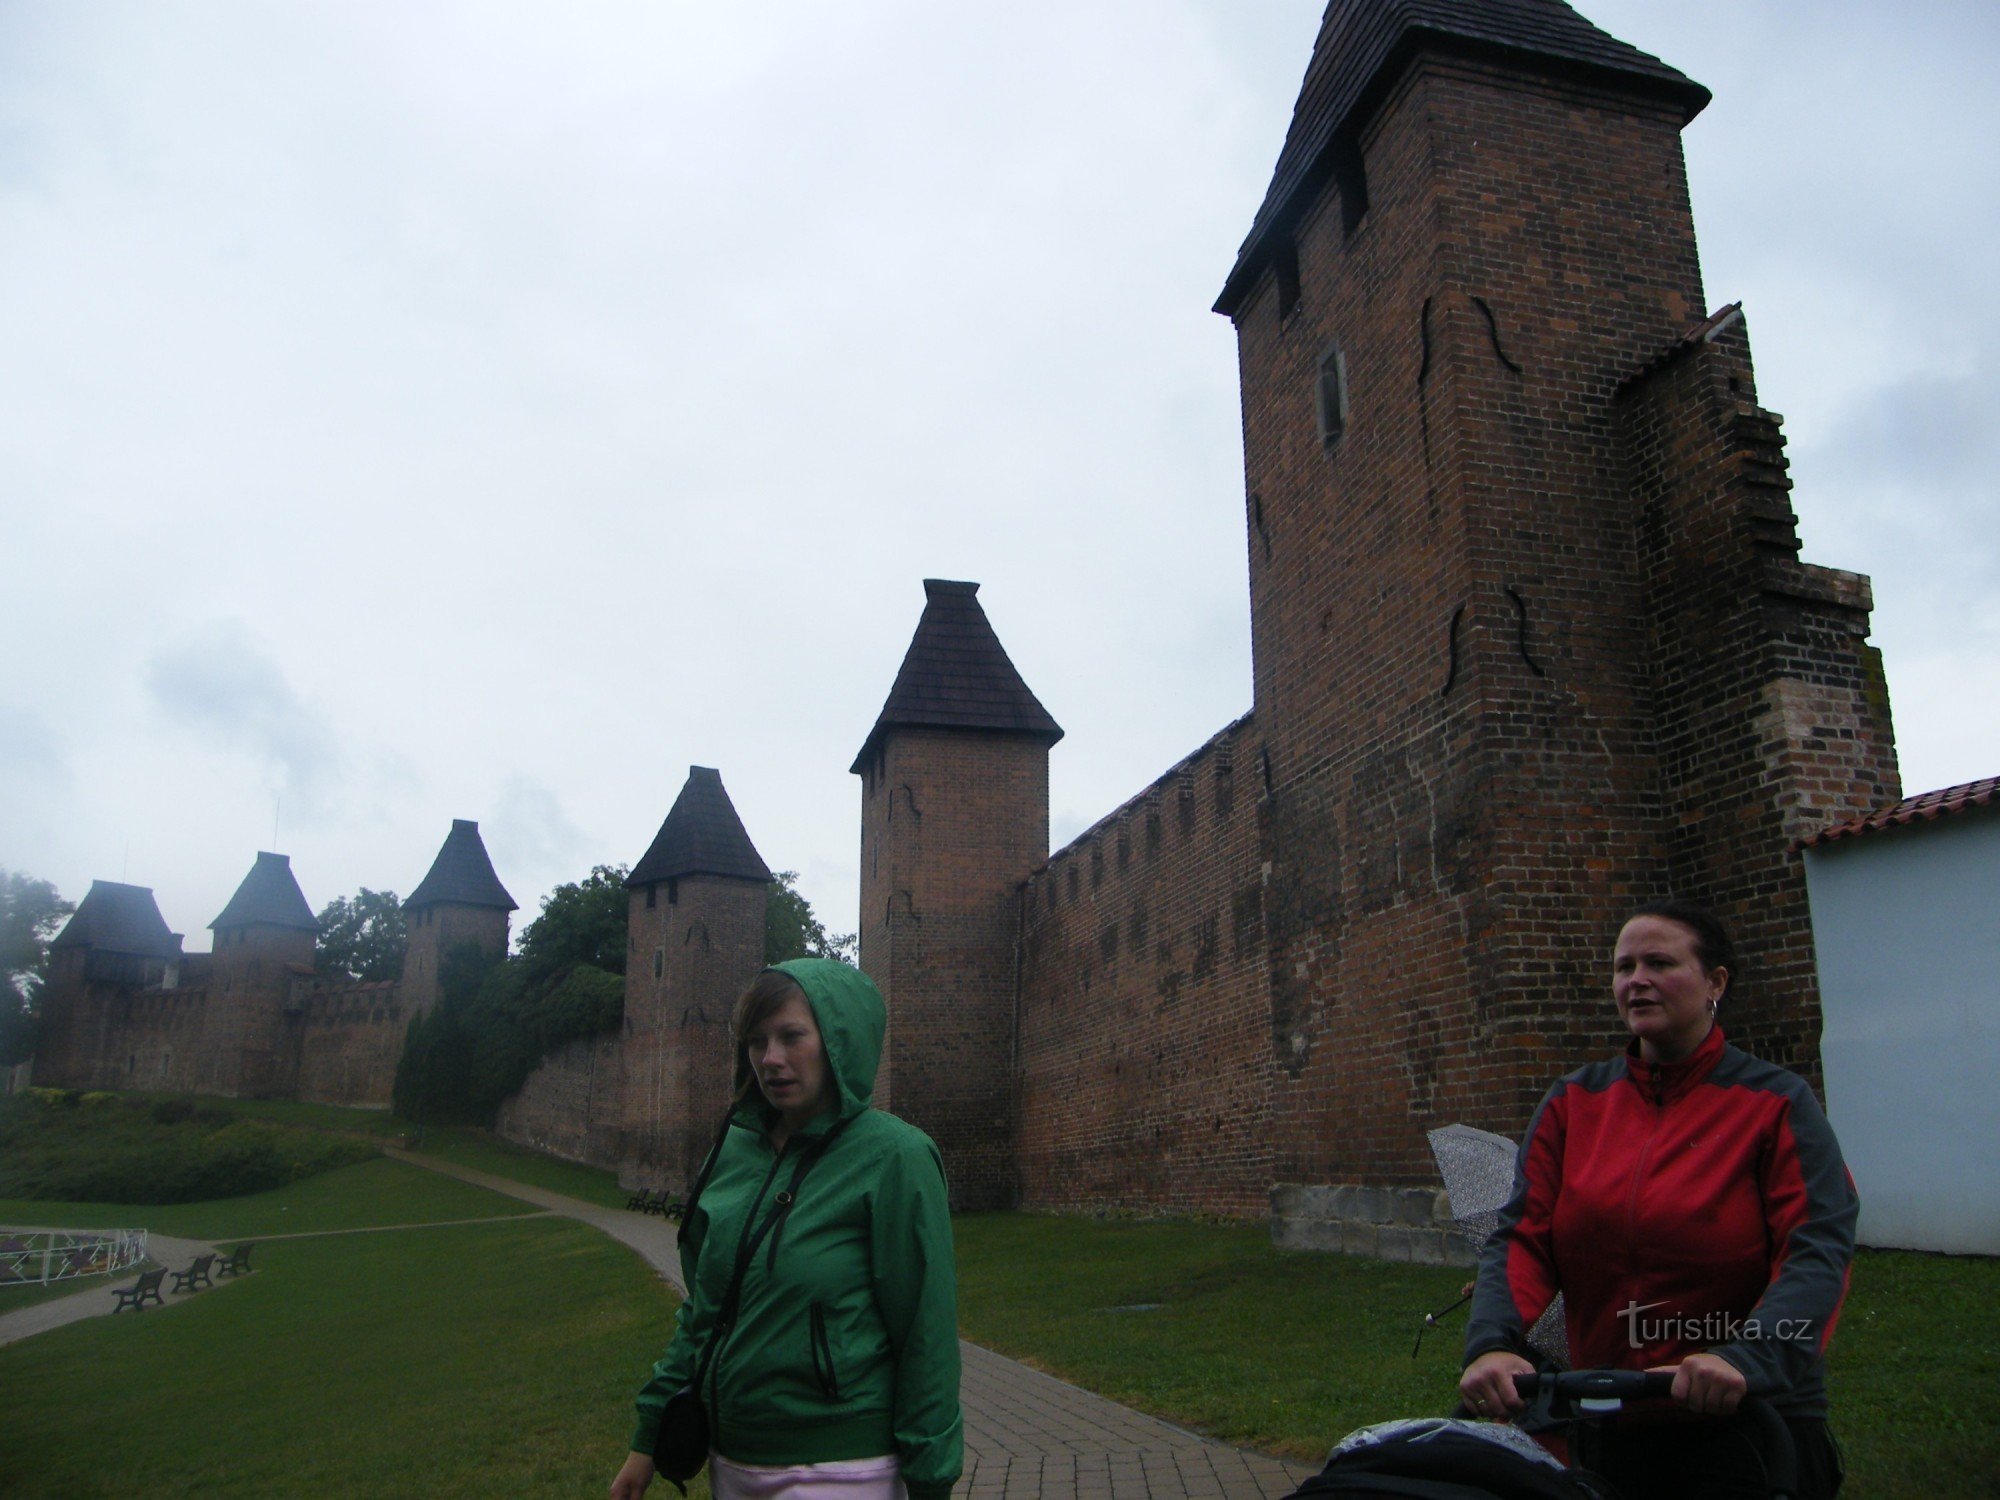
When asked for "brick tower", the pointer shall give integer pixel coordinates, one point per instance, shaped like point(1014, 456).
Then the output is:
point(263, 949)
point(696, 937)
point(459, 902)
point(1531, 639)
point(115, 944)
point(955, 814)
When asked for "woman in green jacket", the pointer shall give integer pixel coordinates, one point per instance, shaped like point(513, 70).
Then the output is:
point(838, 1375)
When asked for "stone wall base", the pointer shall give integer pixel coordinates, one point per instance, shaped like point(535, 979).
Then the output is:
point(1404, 1224)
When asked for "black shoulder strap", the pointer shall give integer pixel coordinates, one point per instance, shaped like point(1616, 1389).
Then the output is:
point(781, 1206)
point(707, 1171)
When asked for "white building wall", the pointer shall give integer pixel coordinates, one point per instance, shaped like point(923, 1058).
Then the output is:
point(1907, 926)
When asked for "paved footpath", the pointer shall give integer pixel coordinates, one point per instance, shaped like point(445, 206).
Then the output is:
point(102, 1298)
point(1026, 1434)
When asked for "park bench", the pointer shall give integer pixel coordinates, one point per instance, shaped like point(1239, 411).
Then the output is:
point(237, 1259)
point(655, 1203)
point(145, 1289)
point(195, 1277)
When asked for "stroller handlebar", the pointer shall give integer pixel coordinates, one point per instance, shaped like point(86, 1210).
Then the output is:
point(1598, 1385)
point(1603, 1389)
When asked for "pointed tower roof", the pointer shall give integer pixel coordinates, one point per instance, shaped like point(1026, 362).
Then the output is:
point(462, 874)
point(1362, 49)
point(117, 918)
point(956, 675)
point(702, 836)
point(268, 897)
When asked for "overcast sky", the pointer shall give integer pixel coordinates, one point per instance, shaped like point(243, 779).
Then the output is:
point(412, 411)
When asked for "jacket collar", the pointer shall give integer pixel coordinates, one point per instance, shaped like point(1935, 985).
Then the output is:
point(1664, 1083)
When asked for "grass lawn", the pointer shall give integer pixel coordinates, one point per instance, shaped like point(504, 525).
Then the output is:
point(367, 1194)
point(484, 1152)
point(1209, 1327)
point(460, 1361)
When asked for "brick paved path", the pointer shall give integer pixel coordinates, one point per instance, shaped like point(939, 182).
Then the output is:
point(1026, 1434)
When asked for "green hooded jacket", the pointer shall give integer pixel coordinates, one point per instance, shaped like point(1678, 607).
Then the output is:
point(845, 1344)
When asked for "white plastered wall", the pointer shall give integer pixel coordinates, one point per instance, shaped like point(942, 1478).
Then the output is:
point(1907, 926)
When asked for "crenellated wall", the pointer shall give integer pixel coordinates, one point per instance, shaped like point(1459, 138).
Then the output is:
point(1144, 1047)
point(346, 1042)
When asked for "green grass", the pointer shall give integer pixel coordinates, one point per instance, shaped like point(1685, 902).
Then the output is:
point(1915, 1374)
point(1209, 1327)
point(470, 1361)
point(1289, 1352)
point(483, 1152)
point(368, 1194)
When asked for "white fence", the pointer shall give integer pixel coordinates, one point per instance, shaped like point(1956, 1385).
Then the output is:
point(39, 1256)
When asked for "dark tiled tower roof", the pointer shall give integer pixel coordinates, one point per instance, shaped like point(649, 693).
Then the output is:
point(956, 675)
point(117, 918)
point(462, 874)
point(1363, 47)
point(702, 836)
point(268, 897)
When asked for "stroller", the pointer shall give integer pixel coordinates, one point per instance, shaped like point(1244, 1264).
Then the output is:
point(1448, 1458)
point(1453, 1458)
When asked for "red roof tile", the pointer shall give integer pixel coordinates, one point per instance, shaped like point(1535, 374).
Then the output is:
point(1930, 805)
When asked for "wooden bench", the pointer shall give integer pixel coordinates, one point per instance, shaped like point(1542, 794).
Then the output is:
point(145, 1289)
point(237, 1259)
point(195, 1277)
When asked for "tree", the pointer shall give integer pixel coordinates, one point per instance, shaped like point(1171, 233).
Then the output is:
point(792, 931)
point(363, 937)
point(30, 913)
point(581, 923)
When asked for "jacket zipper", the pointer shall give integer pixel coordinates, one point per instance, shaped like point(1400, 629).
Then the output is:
point(722, 1332)
point(822, 1352)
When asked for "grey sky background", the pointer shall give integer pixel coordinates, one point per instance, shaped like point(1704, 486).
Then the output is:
point(417, 411)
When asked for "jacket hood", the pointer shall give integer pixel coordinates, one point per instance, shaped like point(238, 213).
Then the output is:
point(852, 1020)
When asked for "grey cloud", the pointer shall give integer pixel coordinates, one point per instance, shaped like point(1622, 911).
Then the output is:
point(1923, 431)
point(222, 685)
point(532, 838)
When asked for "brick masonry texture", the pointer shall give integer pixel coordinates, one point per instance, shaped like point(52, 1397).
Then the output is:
point(1531, 645)
point(1531, 641)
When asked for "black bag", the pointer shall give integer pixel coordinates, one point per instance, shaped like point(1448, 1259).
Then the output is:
point(681, 1448)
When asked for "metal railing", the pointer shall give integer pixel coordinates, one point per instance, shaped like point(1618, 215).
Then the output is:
point(30, 1257)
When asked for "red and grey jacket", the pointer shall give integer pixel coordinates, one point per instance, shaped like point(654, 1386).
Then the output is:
point(1678, 1207)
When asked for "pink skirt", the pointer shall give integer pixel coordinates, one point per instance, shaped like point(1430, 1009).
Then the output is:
point(841, 1479)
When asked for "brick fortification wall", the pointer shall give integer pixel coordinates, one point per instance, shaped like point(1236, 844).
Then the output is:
point(571, 1105)
point(347, 1040)
point(1144, 1068)
point(1773, 708)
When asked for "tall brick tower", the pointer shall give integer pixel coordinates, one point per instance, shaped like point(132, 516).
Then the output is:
point(263, 947)
point(459, 901)
point(955, 814)
point(1531, 641)
point(115, 944)
point(696, 937)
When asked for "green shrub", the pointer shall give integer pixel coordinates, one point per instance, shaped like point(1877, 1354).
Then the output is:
point(493, 1024)
point(129, 1151)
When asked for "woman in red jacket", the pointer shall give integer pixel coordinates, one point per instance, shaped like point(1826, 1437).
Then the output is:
point(1691, 1205)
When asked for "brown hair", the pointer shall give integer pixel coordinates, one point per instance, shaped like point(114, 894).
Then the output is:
point(760, 998)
